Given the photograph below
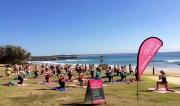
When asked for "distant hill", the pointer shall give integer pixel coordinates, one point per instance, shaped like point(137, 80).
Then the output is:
point(53, 58)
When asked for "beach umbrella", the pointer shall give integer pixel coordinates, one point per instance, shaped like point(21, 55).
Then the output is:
point(146, 53)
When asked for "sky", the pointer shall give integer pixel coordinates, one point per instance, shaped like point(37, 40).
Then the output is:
point(53, 27)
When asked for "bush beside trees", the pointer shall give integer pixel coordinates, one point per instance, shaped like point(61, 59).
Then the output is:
point(11, 54)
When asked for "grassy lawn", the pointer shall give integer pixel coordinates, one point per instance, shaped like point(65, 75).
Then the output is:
point(116, 94)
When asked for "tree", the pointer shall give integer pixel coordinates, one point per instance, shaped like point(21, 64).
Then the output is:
point(10, 54)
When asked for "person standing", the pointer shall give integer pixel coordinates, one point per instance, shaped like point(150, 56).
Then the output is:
point(123, 73)
point(81, 77)
point(61, 81)
point(110, 74)
point(130, 69)
point(29, 70)
point(98, 73)
point(70, 74)
point(16, 69)
point(92, 72)
point(42, 69)
point(47, 75)
point(8, 70)
point(20, 78)
point(36, 71)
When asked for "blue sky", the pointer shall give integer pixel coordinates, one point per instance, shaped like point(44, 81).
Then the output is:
point(49, 27)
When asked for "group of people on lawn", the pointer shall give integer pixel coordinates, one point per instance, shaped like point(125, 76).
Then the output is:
point(63, 71)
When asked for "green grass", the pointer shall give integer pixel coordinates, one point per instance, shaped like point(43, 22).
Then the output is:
point(116, 94)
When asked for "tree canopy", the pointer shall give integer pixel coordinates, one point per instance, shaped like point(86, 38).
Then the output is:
point(11, 54)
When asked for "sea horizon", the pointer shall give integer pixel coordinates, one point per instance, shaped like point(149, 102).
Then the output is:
point(168, 60)
point(63, 54)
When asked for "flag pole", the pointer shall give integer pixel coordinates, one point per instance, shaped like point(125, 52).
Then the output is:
point(137, 73)
point(137, 79)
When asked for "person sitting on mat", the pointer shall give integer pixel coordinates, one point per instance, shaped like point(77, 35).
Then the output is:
point(163, 81)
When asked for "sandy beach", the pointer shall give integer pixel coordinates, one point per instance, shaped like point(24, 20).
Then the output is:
point(173, 75)
point(171, 79)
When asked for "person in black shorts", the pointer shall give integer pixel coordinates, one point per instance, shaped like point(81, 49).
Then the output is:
point(163, 81)
point(61, 82)
point(21, 80)
point(70, 74)
point(47, 75)
point(123, 73)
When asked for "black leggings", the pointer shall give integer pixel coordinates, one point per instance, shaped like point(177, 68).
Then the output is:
point(122, 78)
point(92, 74)
point(47, 79)
point(20, 78)
point(36, 74)
point(110, 78)
point(70, 76)
point(118, 73)
point(62, 85)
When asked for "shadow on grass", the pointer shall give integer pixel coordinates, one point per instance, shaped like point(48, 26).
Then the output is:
point(77, 104)
point(4, 84)
point(175, 87)
point(44, 89)
point(53, 89)
point(146, 91)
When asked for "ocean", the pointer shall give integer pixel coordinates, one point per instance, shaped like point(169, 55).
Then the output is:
point(161, 60)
